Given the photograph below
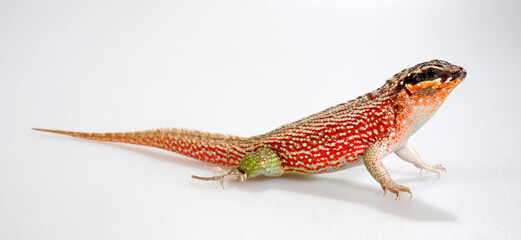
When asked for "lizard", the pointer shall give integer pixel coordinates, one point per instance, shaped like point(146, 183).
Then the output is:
point(362, 131)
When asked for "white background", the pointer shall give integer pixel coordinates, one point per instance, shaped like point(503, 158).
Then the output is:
point(246, 67)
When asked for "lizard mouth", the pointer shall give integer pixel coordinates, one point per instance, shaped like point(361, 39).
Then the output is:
point(456, 75)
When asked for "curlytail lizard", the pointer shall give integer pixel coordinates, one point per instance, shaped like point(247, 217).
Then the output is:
point(361, 131)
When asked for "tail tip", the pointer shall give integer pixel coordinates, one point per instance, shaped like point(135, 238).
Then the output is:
point(50, 130)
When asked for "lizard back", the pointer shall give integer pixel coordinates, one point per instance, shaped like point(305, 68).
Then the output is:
point(335, 138)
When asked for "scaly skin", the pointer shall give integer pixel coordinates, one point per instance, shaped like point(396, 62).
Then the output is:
point(361, 131)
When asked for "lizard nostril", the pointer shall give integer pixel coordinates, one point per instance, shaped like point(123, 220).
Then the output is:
point(463, 73)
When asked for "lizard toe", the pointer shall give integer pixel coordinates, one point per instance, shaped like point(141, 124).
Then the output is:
point(438, 169)
point(397, 189)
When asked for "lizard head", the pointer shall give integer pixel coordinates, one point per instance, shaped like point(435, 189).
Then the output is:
point(431, 79)
point(421, 90)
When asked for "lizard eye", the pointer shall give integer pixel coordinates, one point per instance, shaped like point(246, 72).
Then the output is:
point(430, 73)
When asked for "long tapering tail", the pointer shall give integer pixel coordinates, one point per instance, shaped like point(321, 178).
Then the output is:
point(208, 147)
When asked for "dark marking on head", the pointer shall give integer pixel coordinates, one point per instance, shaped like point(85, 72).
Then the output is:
point(433, 70)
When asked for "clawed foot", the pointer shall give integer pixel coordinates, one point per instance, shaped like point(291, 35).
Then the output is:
point(435, 169)
point(396, 189)
point(234, 174)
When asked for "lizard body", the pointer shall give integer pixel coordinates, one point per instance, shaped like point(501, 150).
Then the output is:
point(361, 131)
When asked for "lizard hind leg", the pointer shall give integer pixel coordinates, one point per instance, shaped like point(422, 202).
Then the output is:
point(263, 161)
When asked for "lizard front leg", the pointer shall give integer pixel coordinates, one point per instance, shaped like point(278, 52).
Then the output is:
point(373, 156)
point(408, 154)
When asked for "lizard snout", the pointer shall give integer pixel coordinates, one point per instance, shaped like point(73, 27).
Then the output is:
point(459, 73)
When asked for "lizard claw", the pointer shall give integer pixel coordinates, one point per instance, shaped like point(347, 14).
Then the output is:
point(234, 174)
point(435, 169)
point(396, 189)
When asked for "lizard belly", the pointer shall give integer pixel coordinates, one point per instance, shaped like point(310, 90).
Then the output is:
point(316, 161)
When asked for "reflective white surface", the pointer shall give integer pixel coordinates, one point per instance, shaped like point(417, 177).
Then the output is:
point(246, 67)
